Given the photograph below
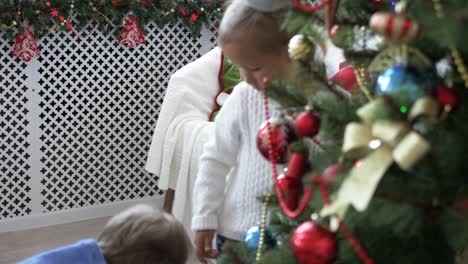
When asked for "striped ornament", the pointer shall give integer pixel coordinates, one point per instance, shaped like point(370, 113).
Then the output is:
point(395, 28)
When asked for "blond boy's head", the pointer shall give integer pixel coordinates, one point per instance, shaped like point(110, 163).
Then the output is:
point(141, 235)
point(254, 40)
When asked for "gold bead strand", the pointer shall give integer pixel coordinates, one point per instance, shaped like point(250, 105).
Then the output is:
point(360, 75)
point(72, 11)
point(263, 220)
point(438, 8)
point(460, 65)
point(457, 58)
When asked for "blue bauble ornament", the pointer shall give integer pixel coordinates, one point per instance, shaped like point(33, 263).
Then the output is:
point(252, 238)
point(406, 84)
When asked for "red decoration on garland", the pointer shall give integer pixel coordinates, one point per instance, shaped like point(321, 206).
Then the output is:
point(69, 25)
point(312, 8)
point(314, 244)
point(395, 28)
point(54, 12)
point(345, 77)
point(132, 35)
point(194, 17)
point(307, 124)
point(48, 4)
point(61, 18)
point(146, 2)
point(183, 10)
point(26, 46)
point(447, 98)
point(282, 134)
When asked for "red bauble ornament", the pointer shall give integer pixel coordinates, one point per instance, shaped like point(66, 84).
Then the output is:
point(447, 98)
point(314, 244)
point(291, 189)
point(26, 46)
point(132, 35)
point(48, 4)
point(307, 124)
point(346, 78)
point(311, 8)
point(282, 134)
point(395, 27)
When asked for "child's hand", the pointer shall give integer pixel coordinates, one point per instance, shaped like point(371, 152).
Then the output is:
point(204, 245)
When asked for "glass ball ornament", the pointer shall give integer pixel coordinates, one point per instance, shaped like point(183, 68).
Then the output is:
point(291, 189)
point(447, 98)
point(307, 124)
point(299, 47)
point(282, 134)
point(252, 238)
point(314, 244)
point(406, 84)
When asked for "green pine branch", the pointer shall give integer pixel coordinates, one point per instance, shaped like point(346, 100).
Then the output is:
point(15, 14)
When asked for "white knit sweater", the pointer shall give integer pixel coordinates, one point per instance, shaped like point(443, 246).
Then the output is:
point(231, 206)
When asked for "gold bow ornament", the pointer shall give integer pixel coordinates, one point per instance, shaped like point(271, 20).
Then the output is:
point(382, 142)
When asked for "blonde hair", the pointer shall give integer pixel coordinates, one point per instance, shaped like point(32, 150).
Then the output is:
point(143, 235)
point(263, 27)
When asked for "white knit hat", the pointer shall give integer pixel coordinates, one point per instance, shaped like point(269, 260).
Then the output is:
point(268, 5)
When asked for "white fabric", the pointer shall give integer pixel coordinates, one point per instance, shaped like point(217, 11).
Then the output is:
point(182, 128)
point(232, 207)
point(332, 59)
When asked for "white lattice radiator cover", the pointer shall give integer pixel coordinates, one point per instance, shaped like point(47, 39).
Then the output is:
point(76, 124)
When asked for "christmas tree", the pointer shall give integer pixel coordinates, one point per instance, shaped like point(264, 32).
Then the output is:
point(377, 156)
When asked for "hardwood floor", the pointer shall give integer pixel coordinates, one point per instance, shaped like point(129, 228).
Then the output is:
point(15, 246)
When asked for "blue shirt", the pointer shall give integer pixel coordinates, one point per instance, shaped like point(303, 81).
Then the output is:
point(82, 252)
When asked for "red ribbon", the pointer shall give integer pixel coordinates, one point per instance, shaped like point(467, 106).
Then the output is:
point(291, 213)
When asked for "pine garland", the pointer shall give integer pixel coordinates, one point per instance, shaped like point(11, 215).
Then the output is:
point(47, 16)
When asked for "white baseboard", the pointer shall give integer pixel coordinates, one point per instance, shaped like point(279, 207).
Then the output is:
point(73, 215)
